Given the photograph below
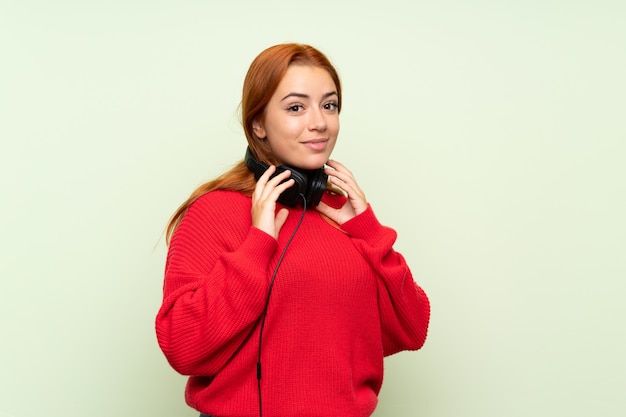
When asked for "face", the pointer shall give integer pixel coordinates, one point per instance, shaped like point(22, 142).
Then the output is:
point(301, 120)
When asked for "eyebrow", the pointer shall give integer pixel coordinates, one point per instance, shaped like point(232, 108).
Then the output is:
point(300, 95)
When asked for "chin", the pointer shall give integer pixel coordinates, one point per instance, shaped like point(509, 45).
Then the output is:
point(308, 160)
point(314, 163)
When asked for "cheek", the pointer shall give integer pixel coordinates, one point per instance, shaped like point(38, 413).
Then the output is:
point(334, 126)
point(293, 127)
point(286, 127)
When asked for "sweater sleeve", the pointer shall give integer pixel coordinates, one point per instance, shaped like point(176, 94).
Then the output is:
point(214, 286)
point(404, 306)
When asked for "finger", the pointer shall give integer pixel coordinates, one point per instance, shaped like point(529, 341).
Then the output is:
point(265, 188)
point(260, 184)
point(325, 209)
point(344, 181)
point(267, 180)
point(341, 177)
point(335, 169)
point(281, 217)
point(280, 188)
point(280, 177)
point(340, 215)
point(338, 166)
point(279, 183)
point(267, 174)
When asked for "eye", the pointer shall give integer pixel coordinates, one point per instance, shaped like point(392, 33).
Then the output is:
point(295, 108)
point(332, 106)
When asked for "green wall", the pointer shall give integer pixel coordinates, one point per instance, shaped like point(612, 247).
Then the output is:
point(489, 134)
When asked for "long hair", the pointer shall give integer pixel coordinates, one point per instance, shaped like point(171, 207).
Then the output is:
point(262, 79)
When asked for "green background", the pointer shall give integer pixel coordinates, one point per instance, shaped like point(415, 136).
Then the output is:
point(489, 134)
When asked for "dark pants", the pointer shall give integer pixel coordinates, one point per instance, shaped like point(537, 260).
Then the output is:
point(205, 415)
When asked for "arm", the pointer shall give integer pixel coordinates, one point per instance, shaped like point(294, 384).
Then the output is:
point(404, 306)
point(215, 284)
point(216, 275)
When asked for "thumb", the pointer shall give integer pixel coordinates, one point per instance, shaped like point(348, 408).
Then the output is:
point(280, 219)
point(327, 211)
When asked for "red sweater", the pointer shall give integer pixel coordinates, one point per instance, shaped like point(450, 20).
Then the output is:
point(342, 300)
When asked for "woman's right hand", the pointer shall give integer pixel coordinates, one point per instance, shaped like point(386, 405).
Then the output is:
point(264, 199)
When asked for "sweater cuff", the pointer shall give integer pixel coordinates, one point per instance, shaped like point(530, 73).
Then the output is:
point(365, 226)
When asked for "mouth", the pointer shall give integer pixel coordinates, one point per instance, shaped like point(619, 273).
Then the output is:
point(316, 144)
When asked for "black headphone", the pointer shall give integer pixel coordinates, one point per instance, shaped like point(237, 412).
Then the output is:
point(310, 183)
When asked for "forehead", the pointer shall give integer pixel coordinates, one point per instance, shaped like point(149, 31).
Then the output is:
point(305, 79)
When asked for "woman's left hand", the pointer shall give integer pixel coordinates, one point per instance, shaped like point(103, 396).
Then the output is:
point(341, 177)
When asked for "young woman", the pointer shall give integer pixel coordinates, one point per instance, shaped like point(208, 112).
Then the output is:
point(282, 290)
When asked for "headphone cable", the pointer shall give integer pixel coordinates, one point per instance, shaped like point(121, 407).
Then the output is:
point(267, 302)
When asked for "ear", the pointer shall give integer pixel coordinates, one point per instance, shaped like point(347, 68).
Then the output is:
point(258, 129)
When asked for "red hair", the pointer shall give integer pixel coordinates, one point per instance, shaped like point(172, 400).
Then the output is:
point(262, 79)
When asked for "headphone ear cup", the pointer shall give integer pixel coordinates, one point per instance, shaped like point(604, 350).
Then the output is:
point(291, 196)
point(311, 184)
point(257, 167)
point(317, 185)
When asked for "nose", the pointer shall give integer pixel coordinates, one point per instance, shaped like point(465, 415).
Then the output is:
point(317, 120)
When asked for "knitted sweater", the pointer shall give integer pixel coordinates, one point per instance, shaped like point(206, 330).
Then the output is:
point(342, 300)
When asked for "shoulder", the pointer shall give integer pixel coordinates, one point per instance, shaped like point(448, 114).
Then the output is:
point(216, 215)
point(219, 205)
point(221, 198)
